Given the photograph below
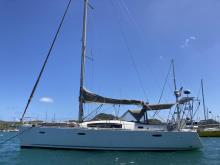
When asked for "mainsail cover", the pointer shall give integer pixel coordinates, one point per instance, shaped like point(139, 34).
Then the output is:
point(89, 97)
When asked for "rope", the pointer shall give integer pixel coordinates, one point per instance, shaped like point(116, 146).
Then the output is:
point(12, 137)
point(45, 62)
point(166, 79)
point(94, 111)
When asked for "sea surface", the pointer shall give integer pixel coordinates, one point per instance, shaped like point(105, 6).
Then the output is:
point(10, 153)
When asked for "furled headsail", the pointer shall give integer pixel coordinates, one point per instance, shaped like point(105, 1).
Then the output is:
point(89, 97)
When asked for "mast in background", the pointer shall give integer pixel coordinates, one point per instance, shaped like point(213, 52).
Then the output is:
point(203, 101)
point(82, 74)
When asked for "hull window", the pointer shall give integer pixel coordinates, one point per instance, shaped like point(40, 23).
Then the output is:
point(81, 133)
point(105, 125)
point(42, 132)
point(157, 135)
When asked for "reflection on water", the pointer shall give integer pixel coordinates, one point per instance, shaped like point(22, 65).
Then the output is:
point(10, 153)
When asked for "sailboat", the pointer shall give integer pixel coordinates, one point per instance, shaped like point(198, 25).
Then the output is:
point(108, 134)
point(208, 126)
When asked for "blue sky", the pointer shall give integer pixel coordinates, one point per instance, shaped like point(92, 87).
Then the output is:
point(149, 32)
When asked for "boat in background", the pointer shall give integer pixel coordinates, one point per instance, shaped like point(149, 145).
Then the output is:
point(209, 132)
point(207, 127)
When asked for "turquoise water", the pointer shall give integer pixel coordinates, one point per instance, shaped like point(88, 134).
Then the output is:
point(10, 153)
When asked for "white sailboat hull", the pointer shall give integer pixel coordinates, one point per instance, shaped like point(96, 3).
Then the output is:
point(107, 139)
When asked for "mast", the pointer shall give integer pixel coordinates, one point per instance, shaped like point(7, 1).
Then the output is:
point(82, 73)
point(203, 100)
point(174, 76)
point(176, 93)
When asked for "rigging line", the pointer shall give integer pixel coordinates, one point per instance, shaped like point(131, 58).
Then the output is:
point(196, 110)
point(106, 109)
point(92, 36)
point(101, 110)
point(131, 18)
point(137, 28)
point(139, 32)
point(192, 109)
point(99, 107)
point(186, 111)
point(45, 62)
point(130, 54)
point(180, 70)
point(14, 136)
point(183, 111)
point(161, 118)
point(169, 114)
point(166, 79)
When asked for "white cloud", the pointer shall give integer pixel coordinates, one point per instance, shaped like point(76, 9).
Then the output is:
point(192, 37)
point(46, 100)
point(187, 41)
